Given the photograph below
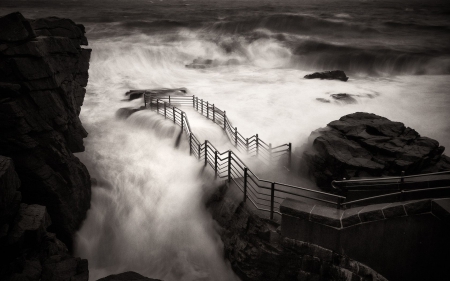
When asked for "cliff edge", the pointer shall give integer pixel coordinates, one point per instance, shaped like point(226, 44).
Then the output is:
point(43, 75)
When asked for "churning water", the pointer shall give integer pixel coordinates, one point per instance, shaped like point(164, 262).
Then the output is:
point(148, 210)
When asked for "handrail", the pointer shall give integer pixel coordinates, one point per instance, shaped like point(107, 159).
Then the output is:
point(232, 168)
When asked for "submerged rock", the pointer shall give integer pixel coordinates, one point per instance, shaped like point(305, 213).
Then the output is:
point(329, 75)
point(364, 144)
point(127, 276)
point(343, 97)
point(323, 100)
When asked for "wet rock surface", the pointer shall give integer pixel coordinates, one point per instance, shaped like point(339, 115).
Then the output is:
point(364, 144)
point(328, 75)
point(43, 75)
point(127, 276)
point(28, 250)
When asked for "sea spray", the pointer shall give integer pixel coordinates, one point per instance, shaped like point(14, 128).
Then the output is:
point(148, 212)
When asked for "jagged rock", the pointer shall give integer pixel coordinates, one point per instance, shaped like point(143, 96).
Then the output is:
point(329, 75)
point(323, 100)
point(346, 98)
point(364, 144)
point(127, 276)
point(10, 197)
point(43, 72)
point(15, 28)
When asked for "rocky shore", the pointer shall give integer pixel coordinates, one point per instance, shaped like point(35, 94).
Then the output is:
point(44, 188)
point(367, 145)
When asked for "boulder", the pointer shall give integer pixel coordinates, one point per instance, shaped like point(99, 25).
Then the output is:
point(329, 75)
point(127, 276)
point(364, 144)
point(43, 74)
point(345, 98)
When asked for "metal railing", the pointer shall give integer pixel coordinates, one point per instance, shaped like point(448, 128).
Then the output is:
point(390, 189)
point(264, 195)
point(253, 145)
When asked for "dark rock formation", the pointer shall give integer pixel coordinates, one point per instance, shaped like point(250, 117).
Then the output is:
point(257, 251)
point(43, 72)
point(329, 75)
point(364, 144)
point(346, 98)
point(127, 276)
point(28, 251)
point(323, 100)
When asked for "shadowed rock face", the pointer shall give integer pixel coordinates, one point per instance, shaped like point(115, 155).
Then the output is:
point(328, 75)
point(127, 276)
point(43, 72)
point(364, 144)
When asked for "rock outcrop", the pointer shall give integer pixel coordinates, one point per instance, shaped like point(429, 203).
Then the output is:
point(43, 72)
point(28, 251)
point(328, 75)
point(364, 144)
point(127, 276)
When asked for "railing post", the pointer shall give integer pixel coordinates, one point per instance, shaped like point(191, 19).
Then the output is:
point(207, 109)
point(215, 163)
point(193, 101)
point(206, 152)
point(257, 145)
point(196, 102)
point(214, 114)
point(169, 100)
point(246, 143)
point(270, 153)
point(145, 99)
point(182, 121)
point(224, 120)
point(402, 182)
point(290, 156)
point(190, 143)
point(272, 200)
point(157, 106)
point(173, 111)
point(245, 183)
point(235, 136)
point(229, 166)
point(202, 106)
point(199, 150)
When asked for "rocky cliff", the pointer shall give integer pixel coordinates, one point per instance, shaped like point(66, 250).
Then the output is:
point(363, 144)
point(43, 72)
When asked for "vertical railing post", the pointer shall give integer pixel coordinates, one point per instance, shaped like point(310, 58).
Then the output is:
point(245, 183)
point(229, 166)
point(169, 100)
point(290, 156)
point(202, 106)
point(224, 120)
point(145, 99)
point(270, 153)
point(193, 101)
point(235, 136)
point(182, 121)
point(402, 182)
point(199, 150)
point(215, 163)
point(206, 152)
point(173, 111)
point(257, 145)
point(207, 109)
point(157, 106)
point(165, 111)
point(246, 144)
point(272, 200)
point(190, 143)
point(214, 114)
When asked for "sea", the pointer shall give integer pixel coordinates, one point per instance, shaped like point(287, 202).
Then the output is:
point(148, 209)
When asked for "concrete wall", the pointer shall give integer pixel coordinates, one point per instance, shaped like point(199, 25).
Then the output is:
point(401, 241)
